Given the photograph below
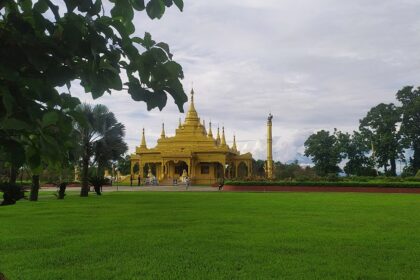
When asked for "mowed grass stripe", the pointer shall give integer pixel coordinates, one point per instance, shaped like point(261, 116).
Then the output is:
point(194, 235)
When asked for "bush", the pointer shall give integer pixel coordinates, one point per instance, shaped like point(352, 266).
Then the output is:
point(97, 182)
point(327, 184)
point(11, 193)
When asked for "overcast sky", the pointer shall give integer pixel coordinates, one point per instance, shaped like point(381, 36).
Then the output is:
point(315, 64)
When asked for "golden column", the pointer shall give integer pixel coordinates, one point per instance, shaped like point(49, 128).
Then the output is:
point(269, 164)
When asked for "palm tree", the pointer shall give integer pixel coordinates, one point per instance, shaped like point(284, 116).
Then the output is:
point(101, 140)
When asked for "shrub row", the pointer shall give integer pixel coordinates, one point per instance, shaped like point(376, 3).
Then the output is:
point(326, 184)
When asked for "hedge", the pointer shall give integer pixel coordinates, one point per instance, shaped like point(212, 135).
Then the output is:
point(326, 184)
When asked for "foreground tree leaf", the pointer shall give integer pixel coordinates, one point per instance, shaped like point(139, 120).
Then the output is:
point(45, 45)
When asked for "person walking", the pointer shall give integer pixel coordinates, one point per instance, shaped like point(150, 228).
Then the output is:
point(221, 183)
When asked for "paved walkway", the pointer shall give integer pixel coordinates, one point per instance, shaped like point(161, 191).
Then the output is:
point(145, 189)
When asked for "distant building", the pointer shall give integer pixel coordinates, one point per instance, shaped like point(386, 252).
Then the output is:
point(193, 152)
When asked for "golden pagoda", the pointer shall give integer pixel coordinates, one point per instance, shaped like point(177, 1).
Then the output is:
point(192, 152)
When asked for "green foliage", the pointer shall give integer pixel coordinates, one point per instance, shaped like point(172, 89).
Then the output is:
point(410, 124)
point(329, 181)
point(380, 127)
point(124, 165)
point(324, 151)
point(97, 182)
point(293, 171)
point(45, 46)
point(355, 147)
point(258, 168)
point(101, 140)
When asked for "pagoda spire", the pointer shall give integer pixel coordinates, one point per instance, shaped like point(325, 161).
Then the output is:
point(204, 128)
point(192, 116)
point(143, 140)
point(162, 134)
point(179, 125)
point(234, 143)
point(210, 134)
point(218, 136)
point(223, 143)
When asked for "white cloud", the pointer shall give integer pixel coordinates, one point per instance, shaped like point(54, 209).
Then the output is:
point(314, 64)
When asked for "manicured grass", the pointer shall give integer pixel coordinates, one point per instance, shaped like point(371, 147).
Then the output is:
point(195, 235)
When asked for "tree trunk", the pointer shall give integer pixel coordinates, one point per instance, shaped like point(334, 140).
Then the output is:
point(85, 169)
point(13, 174)
point(393, 167)
point(416, 157)
point(34, 188)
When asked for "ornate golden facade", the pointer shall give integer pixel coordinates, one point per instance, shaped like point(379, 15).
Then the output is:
point(192, 152)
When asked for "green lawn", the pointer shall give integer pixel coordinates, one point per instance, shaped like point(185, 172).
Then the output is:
point(196, 235)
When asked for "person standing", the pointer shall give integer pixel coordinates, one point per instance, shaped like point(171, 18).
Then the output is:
point(138, 180)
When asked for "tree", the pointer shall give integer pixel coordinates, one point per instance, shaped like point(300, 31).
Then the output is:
point(410, 123)
point(324, 151)
point(293, 171)
point(258, 168)
point(124, 165)
point(355, 148)
point(45, 47)
point(380, 128)
point(101, 140)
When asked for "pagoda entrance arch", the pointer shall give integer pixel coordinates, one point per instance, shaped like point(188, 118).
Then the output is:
point(150, 168)
point(174, 169)
point(181, 167)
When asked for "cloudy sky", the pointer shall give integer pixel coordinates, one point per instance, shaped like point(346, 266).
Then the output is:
point(315, 64)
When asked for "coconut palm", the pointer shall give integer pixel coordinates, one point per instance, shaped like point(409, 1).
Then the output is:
point(101, 140)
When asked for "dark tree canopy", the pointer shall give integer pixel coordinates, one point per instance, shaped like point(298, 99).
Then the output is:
point(47, 45)
point(380, 127)
point(410, 122)
point(355, 148)
point(324, 151)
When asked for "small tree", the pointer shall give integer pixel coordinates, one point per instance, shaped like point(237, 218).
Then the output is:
point(324, 151)
point(101, 140)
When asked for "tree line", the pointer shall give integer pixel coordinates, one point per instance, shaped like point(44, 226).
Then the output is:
point(387, 134)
